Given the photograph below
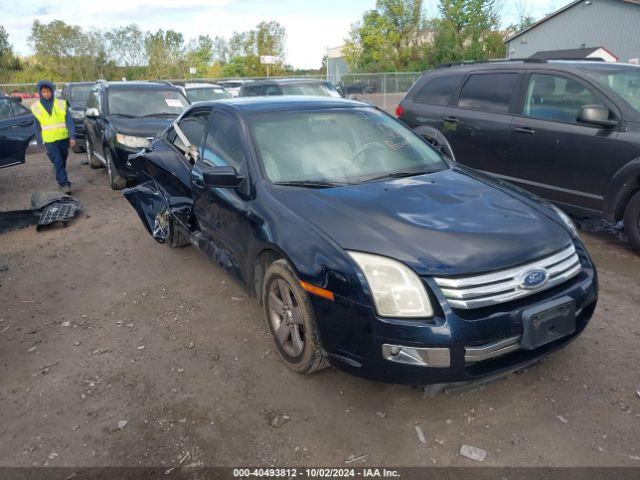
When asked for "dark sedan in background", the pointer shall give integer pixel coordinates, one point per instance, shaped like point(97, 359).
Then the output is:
point(16, 131)
point(365, 246)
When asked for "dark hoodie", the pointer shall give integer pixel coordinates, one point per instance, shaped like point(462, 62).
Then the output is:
point(48, 106)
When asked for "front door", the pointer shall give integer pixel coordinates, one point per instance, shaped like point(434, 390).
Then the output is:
point(222, 212)
point(16, 130)
point(555, 156)
point(477, 123)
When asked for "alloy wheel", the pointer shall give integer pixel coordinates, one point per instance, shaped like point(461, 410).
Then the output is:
point(286, 318)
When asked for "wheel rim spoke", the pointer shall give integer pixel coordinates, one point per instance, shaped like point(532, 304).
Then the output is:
point(296, 340)
point(276, 304)
point(285, 293)
point(297, 316)
point(283, 333)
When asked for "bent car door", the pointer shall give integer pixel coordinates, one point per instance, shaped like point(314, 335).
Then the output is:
point(164, 171)
point(222, 212)
point(16, 130)
point(554, 155)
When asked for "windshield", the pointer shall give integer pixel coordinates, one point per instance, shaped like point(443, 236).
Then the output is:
point(146, 102)
point(206, 94)
point(318, 89)
point(79, 93)
point(624, 81)
point(339, 146)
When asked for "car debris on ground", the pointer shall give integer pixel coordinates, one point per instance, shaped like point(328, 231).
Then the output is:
point(473, 453)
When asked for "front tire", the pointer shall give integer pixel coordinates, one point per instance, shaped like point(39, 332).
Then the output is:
point(116, 182)
point(632, 221)
point(291, 320)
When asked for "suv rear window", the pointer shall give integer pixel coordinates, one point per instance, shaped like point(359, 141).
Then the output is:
point(488, 92)
point(438, 91)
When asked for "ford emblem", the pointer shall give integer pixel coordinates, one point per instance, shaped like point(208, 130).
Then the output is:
point(534, 279)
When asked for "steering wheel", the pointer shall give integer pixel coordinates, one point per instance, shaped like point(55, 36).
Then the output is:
point(365, 147)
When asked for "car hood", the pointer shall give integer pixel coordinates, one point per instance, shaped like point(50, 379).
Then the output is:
point(141, 127)
point(447, 223)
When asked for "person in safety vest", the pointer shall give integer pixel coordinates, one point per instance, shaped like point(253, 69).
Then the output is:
point(54, 129)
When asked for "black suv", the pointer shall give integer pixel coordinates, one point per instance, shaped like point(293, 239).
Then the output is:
point(568, 131)
point(76, 94)
point(289, 86)
point(121, 118)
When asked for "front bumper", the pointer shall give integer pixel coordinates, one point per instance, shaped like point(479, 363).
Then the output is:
point(481, 342)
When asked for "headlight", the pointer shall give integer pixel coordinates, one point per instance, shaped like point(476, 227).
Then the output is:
point(131, 141)
point(397, 291)
point(567, 221)
point(77, 113)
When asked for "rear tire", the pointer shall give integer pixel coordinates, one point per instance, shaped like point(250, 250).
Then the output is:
point(91, 158)
point(290, 316)
point(442, 146)
point(632, 221)
point(116, 182)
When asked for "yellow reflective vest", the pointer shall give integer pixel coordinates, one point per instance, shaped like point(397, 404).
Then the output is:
point(53, 126)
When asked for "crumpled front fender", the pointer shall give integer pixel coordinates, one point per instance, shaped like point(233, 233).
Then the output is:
point(155, 206)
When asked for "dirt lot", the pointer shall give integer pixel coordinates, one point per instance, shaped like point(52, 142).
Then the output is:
point(100, 326)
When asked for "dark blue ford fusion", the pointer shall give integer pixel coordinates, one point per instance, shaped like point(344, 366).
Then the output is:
point(366, 248)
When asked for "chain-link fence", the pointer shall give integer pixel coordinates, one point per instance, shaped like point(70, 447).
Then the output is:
point(382, 89)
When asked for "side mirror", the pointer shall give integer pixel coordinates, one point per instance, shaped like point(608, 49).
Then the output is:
point(596, 115)
point(221, 177)
point(92, 113)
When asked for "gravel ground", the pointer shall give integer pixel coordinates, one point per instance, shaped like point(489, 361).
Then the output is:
point(117, 351)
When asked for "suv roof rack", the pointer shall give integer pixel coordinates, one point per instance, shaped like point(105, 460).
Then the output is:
point(500, 60)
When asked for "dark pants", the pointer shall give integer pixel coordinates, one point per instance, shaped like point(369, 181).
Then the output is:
point(58, 152)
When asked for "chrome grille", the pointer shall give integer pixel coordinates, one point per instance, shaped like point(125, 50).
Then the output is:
point(503, 286)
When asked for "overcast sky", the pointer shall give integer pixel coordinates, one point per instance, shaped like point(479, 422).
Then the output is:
point(312, 25)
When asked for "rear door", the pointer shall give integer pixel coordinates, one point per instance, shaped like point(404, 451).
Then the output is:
point(477, 120)
point(554, 155)
point(16, 130)
point(424, 108)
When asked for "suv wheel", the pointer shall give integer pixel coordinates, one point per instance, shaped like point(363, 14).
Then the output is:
point(116, 182)
point(291, 320)
point(632, 221)
point(91, 158)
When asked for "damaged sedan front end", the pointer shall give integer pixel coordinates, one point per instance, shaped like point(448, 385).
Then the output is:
point(366, 248)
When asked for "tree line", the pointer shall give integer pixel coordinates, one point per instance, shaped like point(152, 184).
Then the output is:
point(397, 35)
point(64, 52)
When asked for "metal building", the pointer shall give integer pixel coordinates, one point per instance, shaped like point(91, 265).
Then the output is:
point(336, 65)
point(611, 24)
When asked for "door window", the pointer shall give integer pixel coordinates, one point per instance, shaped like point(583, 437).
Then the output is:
point(556, 98)
point(489, 92)
point(438, 91)
point(193, 127)
point(5, 109)
point(224, 146)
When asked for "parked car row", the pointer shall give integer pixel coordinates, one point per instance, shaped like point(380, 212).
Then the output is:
point(568, 131)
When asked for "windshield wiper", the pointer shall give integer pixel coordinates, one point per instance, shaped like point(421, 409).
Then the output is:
point(123, 115)
point(310, 184)
point(400, 174)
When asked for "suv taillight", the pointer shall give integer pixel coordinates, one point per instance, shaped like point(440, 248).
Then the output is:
point(399, 111)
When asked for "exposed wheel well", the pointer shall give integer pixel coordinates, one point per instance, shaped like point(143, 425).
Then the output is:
point(624, 201)
point(266, 258)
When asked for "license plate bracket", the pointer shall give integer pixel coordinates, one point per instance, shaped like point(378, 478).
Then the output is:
point(548, 322)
